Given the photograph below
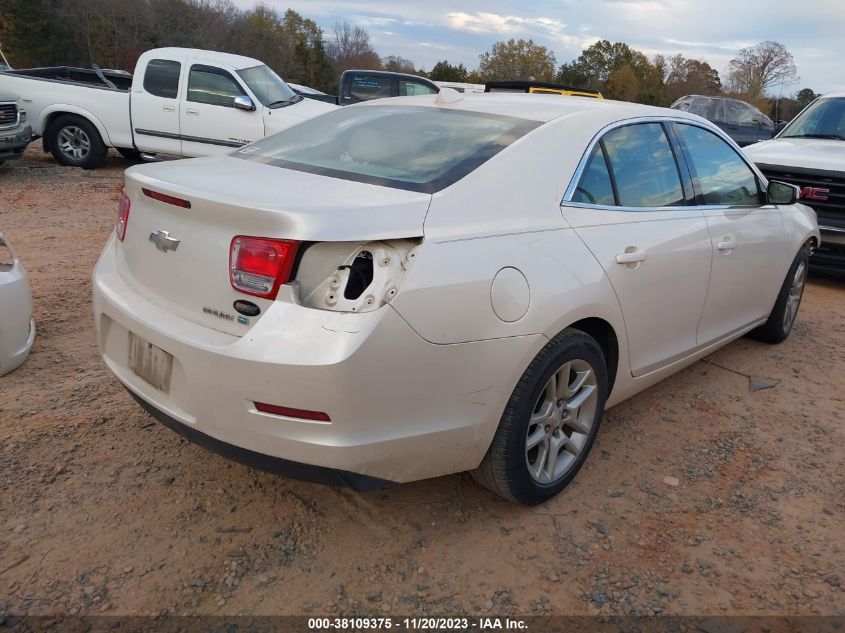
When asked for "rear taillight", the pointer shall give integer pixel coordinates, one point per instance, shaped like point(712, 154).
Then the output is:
point(259, 265)
point(123, 207)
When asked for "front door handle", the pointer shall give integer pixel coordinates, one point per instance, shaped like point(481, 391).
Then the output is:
point(632, 255)
point(192, 112)
point(727, 243)
point(169, 108)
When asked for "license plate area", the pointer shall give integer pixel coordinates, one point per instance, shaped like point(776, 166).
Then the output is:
point(150, 363)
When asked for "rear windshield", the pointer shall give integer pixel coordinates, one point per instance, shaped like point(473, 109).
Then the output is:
point(413, 148)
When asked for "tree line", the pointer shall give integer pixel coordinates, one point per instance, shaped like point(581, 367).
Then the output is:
point(113, 33)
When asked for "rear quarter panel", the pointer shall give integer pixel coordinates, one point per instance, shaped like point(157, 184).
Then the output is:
point(507, 214)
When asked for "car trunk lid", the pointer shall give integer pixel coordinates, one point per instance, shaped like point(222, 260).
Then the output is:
point(179, 257)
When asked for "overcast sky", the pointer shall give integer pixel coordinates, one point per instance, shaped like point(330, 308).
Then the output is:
point(426, 31)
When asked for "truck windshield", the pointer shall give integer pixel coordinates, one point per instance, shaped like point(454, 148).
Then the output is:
point(267, 86)
point(824, 118)
point(404, 147)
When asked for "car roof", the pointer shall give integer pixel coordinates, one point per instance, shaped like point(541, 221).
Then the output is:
point(177, 53)
point(834, 94)
point(536, 107)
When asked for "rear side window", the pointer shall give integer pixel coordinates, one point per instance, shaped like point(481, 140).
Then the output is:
point(161, 78)
point(366, 87)
point(411, 88)
point(643, 166)
point(213, 86)
point(720, 176)
point(595, 186)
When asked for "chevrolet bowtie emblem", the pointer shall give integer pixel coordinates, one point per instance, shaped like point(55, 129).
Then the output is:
point(163, 241)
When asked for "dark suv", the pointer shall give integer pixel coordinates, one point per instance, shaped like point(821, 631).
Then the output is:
point(744, 123)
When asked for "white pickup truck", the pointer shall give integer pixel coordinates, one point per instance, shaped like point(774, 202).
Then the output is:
point(180, 102)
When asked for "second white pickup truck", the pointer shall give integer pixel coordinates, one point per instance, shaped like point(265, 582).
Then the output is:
point(180, 102)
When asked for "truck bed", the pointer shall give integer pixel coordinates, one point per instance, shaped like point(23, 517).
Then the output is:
point(78, 76)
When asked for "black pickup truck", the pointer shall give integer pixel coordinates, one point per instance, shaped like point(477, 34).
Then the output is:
point(363, 85)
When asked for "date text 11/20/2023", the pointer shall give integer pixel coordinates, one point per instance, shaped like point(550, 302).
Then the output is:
point(433, 624)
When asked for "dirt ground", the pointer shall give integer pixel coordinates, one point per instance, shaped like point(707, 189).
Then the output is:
point(104, 510)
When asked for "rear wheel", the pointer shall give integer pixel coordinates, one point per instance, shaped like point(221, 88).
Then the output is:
point(550, 422)
point(75, 142)
point(783, 315)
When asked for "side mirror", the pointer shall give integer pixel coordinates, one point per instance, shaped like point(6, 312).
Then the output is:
point(244, 103)
point(782, 193)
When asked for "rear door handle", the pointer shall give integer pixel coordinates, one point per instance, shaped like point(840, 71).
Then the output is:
point(728, 243)
point(632, 255)
point(192, 112)
point(169, 108)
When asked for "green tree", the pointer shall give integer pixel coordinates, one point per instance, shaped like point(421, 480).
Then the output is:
point(684, 76)
point(804, 97)
point(515, 60)
point(596, 64)
point(33, 36)
point(311, 64)
point(398, 64)
point(444, 71)
point(759, 67)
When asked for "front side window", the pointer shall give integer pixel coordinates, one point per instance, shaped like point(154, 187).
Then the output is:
point(365, 87)
point(413, 88)
point(720, 176)
point(213, 86)
point(412, 148)
point(595, 186)
point(643, 166)
point(161, 78)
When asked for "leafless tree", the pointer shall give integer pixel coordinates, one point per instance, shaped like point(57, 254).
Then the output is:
point(759, 67)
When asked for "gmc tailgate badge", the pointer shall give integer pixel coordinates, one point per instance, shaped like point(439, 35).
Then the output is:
point(163, 241)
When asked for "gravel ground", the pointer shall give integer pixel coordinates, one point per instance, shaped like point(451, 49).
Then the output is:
point(701, 496)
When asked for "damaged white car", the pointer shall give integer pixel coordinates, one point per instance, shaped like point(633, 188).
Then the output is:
point(17, 327)
point(415, 287)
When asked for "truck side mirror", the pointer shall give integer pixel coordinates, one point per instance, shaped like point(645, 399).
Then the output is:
point(782, 193)
point(244, 103)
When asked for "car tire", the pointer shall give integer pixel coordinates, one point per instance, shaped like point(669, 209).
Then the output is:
point(782, 318)
point(545, 419)
point(129, 153)
point(75, 142)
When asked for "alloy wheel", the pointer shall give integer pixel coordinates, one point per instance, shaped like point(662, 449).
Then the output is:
point(74, 142)
point(561, 422)
point(793, 299)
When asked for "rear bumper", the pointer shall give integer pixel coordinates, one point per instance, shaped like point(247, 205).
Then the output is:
point(260, 461)
point(401, 408)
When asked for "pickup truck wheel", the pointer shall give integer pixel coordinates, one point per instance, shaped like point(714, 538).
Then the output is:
point(783, 315)
point(75, 142)
point(550, 422)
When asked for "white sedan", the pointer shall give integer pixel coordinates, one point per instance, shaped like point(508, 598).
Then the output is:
point(415, 287)
point(17, 328)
